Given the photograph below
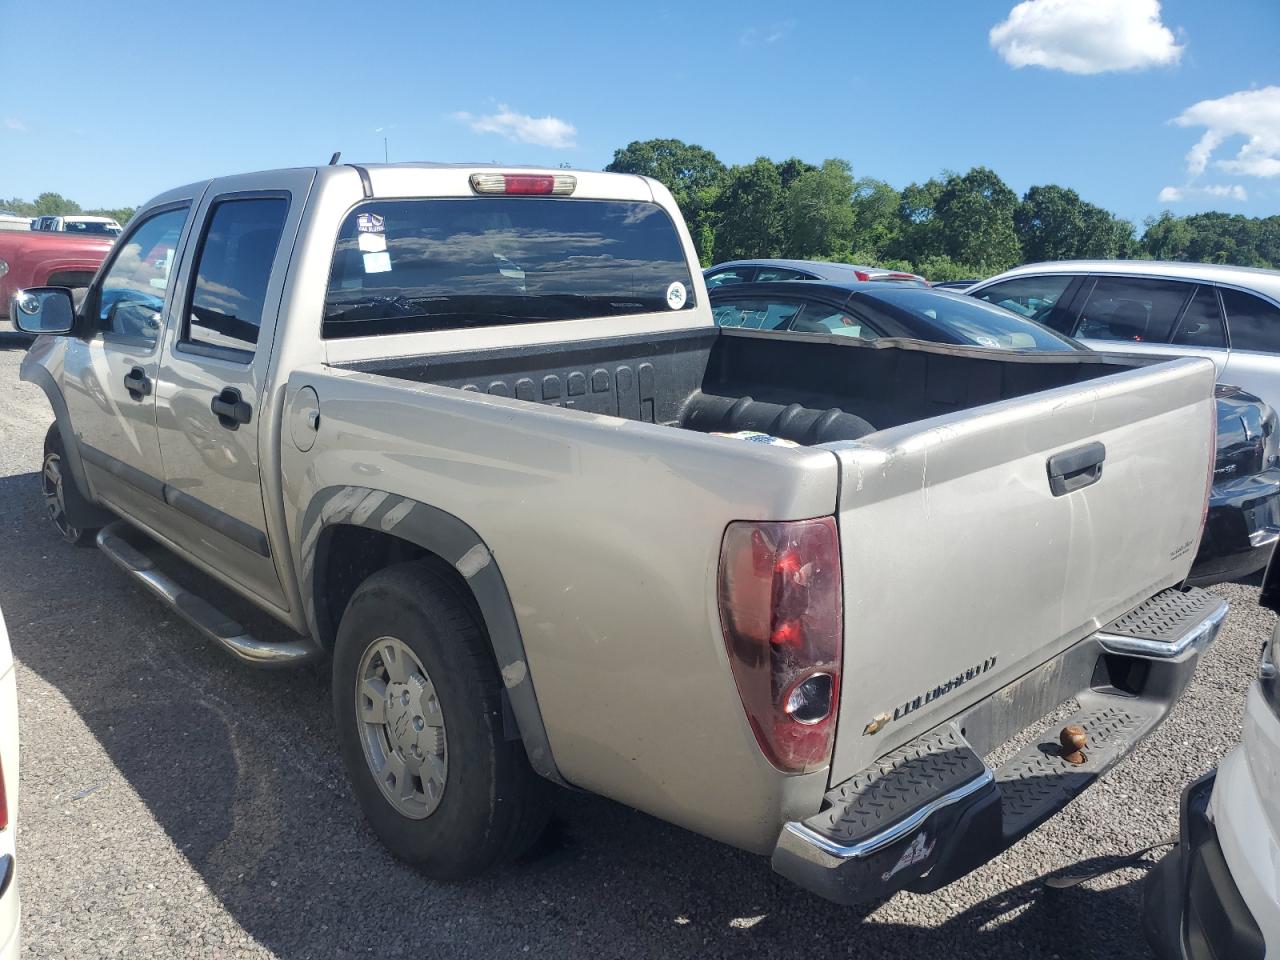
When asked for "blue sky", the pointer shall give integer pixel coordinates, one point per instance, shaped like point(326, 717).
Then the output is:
point(134, 98)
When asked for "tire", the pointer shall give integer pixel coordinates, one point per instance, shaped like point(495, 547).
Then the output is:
point(58, 487)
point(475, 802)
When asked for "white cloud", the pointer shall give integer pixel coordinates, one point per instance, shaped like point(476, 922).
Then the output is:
point(13, 123)
point(1253, 114)
point(1085, 36)
point(520, 127)
point(754, 36)
point(1230, 191)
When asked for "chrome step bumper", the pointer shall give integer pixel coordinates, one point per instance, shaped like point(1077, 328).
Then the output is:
point(932, 810)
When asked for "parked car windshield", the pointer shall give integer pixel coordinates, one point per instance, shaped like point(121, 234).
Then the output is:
point(414, 265)
point(962, 318)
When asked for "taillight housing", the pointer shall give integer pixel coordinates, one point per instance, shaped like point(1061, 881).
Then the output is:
point(1213, 462)
point(780, 610)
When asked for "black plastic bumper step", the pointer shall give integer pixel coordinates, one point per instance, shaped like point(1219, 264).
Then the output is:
point(1037, 782)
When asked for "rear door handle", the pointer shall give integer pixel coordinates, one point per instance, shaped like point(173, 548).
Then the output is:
point(137, 383)
point(1076, 469)
point(230, 409)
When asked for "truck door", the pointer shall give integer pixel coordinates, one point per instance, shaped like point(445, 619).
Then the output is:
point(211, 402)
point(109, 378)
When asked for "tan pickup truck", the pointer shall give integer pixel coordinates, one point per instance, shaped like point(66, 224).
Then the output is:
point(472, 434)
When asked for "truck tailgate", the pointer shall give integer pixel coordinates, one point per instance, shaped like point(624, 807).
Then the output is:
point(963, 569)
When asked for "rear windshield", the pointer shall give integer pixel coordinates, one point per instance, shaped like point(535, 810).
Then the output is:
point(404, 266)
point(90, 226)
point(964, 318)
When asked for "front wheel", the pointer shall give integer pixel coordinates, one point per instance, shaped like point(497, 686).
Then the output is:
point(418, 708)
point(57, 486)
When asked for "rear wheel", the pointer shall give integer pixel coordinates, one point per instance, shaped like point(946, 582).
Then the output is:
point(57, 487)
point(418, 706)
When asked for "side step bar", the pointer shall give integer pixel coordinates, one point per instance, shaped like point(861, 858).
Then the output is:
point(198, 612)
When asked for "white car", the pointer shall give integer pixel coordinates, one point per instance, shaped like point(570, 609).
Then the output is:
point(1229, 314)
point(10, 944)
point(1217, 894)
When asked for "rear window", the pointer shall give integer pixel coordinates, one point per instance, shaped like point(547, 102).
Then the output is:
point(414, 265)
point(966, 319)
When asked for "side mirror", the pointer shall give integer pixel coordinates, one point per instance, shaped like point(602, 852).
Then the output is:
point(43, 310)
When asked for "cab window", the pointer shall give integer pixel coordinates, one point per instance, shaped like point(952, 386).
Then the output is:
point(131, 298)
point(233, 268)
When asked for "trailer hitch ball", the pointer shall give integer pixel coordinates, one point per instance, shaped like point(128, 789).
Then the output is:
point(1073, 740)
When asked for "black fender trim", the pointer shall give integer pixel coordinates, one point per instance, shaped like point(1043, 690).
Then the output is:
point(81, 510)
point(456, 543)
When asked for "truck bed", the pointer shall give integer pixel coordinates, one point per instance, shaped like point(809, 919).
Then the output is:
point(799, 387)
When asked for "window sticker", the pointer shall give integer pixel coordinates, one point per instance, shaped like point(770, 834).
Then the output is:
point(370, 223)
point(377, 262)
point(372, 242)
point(676, 295)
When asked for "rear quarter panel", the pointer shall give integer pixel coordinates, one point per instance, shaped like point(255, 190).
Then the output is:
point(607, 533)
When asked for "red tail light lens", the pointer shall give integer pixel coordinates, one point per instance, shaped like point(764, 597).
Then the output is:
point(4, 803)
point(862, 275)
point(780, 609)
point(1213, 462)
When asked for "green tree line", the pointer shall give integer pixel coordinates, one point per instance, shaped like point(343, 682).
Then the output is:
point(56, 205)
point(951, 226)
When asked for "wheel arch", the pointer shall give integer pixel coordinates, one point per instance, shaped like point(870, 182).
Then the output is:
point(81, 510)
point(349, 533)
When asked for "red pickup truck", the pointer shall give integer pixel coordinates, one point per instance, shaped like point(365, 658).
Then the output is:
point(33, 259)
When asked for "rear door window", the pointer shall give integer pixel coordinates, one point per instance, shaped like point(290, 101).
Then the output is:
point(1254, 323)
point(233, 268)
point(1201, 323)
point(405, 266)
point(1038, 298)
point(1136, 309)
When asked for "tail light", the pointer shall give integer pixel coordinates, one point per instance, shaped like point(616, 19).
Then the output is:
point(780, 609)
point(4, 803)
point(1213, 462)
point(862, 275)
point(524, 184)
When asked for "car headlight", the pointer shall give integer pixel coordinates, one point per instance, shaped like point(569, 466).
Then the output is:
point(4, 267)
point(1269, 675)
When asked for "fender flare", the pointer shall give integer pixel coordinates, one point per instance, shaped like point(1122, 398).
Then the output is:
point(461, 547)
point(81, 510)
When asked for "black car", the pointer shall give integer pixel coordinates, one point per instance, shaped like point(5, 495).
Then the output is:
point(1243, 522)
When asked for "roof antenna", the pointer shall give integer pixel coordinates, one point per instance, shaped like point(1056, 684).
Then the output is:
point(333, 161)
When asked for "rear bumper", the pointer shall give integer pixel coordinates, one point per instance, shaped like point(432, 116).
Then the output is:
point(933, 810)
point(1241, 529)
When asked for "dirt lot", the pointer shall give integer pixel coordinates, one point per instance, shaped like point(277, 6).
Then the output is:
point(175, 803)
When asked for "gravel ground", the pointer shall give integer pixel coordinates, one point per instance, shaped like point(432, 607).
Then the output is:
point(175, 804)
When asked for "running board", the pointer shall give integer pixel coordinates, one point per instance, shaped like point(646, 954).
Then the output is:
point(197, 611)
